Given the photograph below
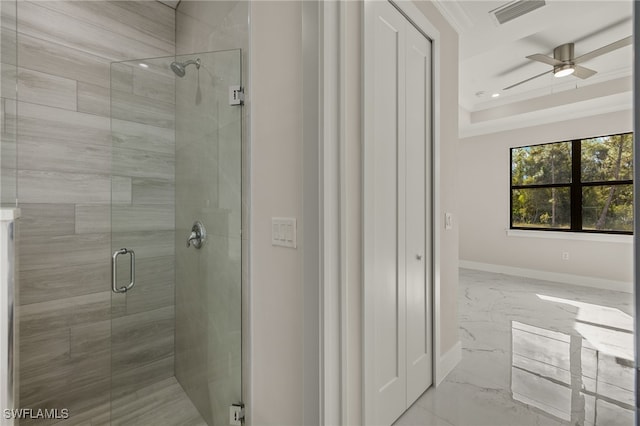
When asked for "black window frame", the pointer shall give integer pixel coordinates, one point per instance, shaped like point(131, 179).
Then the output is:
point(575, 188)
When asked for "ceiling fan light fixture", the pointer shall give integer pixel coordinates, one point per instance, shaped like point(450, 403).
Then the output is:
point(563, 70)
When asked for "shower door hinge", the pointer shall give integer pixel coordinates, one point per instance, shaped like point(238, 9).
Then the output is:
point(236, 95)
point(236, 414)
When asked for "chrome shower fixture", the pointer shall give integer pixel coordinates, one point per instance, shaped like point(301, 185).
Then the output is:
point(179, 68)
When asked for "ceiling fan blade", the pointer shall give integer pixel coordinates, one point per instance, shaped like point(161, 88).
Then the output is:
point(583, 72)
point(545, 59)
point(604, 49)
point(529, 79)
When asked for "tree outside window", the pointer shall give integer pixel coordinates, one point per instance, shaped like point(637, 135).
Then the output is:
point(582, 185)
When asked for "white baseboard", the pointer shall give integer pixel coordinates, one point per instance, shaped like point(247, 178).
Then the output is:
point(600, 283)
point(448, 362)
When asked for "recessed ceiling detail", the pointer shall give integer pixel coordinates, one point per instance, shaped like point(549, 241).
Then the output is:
point(492, 57)
point(516, 9)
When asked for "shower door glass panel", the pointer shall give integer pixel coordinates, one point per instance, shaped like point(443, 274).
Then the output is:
point(176, 333)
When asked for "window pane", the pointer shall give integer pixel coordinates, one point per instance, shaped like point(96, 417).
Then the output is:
point(541, 164)
point(541, 208)
point(607, 158)
point(607, 208)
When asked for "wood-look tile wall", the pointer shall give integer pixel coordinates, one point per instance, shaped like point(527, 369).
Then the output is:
point(64, 189)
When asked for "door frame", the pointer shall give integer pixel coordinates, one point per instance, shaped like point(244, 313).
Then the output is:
point(423, 25)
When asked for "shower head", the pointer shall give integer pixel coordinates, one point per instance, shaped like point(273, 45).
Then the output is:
point(179, 68)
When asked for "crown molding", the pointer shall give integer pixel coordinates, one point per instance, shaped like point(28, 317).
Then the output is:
point(454, 14)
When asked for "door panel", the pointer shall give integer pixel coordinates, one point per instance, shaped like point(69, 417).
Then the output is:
point(397, 217)
point(417, 213)
point(389, 326)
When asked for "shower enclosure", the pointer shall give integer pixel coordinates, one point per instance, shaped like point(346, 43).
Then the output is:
point(176, 209)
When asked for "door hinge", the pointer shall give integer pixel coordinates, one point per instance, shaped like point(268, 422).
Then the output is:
point(236, 414)
point(236, 95)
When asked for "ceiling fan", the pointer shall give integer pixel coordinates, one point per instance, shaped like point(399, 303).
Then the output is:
point(565, 63)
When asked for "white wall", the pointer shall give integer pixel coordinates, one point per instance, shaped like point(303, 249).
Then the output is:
point(484, 174)
point(446, 168)
point(276, 176)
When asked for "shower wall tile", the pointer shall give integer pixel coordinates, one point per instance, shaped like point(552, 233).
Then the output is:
point(87, 339)
point(143, 218)
point(61, 156)
point(44, 124)
point(93, 99)
point(51, 252)
point(153, 191)
point(92, 218)
point(121, 190)
point(46, 220)
point(155, 285)
point(154, 85)
point(118, 304)
point(37, 186)
point(128, 134)
point(63, 281)
point(48, 316)
point(143, 338)
point(78, 384)
point(47, 89)
point(42, 20)
point(66, 184)
point(149, 244)
point(33, 358)
point(46, 56)
point(211, 26)
point(147, 24)
point(141, 109)
point(143, 164)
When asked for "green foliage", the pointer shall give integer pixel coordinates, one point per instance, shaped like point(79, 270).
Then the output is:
point(542, 207)
point(604, 207)
point(541, 164)
point(607, 158)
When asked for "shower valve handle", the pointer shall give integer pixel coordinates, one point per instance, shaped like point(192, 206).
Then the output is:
point(197, 236)
point(192, 238)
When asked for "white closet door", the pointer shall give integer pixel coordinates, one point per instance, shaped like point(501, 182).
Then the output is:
point(418, 209)
point(389, 345)
point(397, 350)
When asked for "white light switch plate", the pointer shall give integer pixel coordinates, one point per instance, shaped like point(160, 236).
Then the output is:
point(448, 221)
point(284, 232)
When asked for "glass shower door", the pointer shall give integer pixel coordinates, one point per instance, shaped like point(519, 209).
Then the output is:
point(176, 301)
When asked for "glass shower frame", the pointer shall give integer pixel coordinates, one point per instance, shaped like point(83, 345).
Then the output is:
point(176, 159)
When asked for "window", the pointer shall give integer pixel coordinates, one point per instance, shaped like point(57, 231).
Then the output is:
point(583, 185)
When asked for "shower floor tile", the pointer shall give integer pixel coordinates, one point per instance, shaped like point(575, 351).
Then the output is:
point(164, 403)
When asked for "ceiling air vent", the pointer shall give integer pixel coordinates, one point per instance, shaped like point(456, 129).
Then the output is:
point(516, 9)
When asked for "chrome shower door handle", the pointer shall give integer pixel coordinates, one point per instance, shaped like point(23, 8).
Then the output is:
point(114, 270)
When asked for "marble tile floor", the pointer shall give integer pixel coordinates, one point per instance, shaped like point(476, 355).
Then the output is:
point(535, 353)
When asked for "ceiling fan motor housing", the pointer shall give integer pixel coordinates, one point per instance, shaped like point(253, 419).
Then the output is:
point(564, 52)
